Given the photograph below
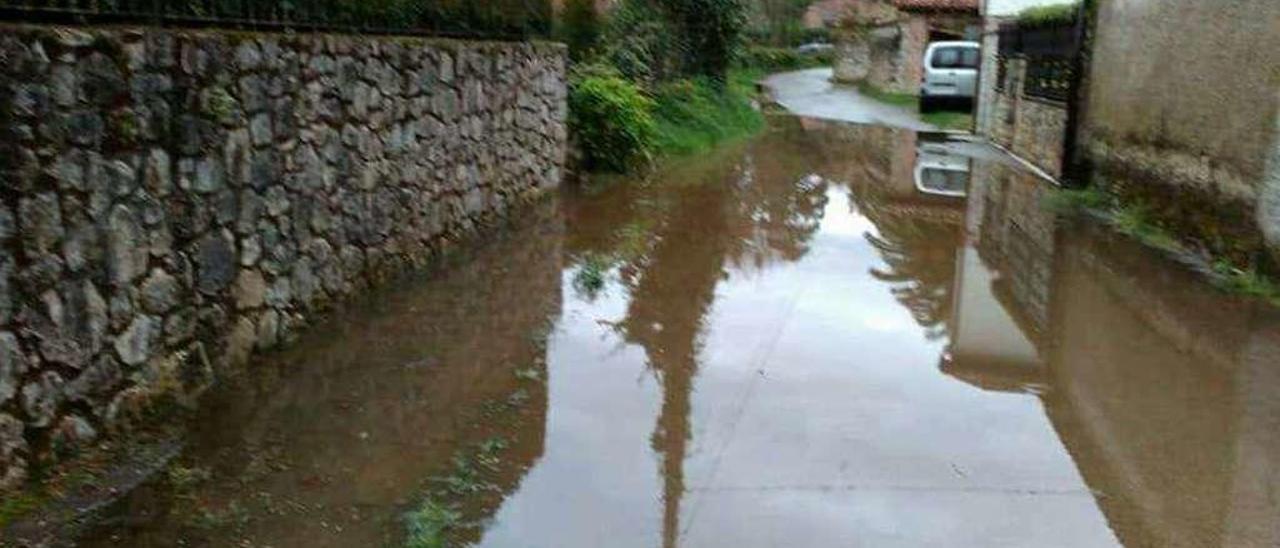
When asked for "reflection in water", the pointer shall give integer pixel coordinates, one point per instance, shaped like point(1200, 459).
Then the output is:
point(749, 214)
point(940, 172)
point(757, 364)
point(1163, 389)
point(329, 443)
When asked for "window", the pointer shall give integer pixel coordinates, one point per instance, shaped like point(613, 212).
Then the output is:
point(954, 57)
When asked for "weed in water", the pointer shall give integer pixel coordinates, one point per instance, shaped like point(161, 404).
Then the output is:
point(16, 505)
point(1134, 221)
point(183, 479)
point(232, 516)
point(1246, 281)
point(1071, 201)
point(430, 524)
point(591, 275)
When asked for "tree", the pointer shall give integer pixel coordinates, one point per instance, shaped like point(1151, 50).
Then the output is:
point(581, 28)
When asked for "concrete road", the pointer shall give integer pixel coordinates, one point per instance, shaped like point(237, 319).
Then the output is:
point(811, 93)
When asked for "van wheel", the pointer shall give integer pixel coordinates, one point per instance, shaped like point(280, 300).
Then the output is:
point(927, 105)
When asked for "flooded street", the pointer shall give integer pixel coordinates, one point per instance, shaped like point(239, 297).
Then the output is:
point(831, 335)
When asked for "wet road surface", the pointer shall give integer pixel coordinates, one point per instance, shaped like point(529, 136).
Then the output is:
point(811, 93)
point(833, 335)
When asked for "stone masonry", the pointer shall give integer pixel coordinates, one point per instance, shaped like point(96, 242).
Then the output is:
point(174, 201)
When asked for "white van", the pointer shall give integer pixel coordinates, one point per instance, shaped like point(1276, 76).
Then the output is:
point(950, 74)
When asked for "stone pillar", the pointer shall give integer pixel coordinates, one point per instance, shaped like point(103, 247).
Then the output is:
point(852, 58)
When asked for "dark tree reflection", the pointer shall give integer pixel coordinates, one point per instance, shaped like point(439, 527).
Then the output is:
point(673, 240)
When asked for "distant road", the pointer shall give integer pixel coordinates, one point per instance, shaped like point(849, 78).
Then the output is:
point(811, 93)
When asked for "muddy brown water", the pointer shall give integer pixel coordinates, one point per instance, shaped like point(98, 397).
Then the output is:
point(831, 335)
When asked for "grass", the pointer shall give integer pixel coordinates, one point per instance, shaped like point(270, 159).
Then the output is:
point(17, 505)
point(1248, 282)
point(1049, 15)
point(948, 119)
point(443, 515)
point(1136, 221)
point(693, 116)
point(890, 97)
point(431, 524)
point(1076, 200)
point(944, 119)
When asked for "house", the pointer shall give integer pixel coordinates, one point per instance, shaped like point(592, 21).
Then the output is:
point(885, 48)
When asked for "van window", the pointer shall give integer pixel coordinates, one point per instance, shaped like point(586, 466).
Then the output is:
point(954, 57)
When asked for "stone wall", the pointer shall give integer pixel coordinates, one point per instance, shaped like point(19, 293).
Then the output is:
point(177, 200)
point(1031, 127)
point(984, 115)
point(895, 57)
point(1182, 111)
point(852, 58)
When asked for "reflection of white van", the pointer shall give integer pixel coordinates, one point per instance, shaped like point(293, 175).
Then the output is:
point(950, 74)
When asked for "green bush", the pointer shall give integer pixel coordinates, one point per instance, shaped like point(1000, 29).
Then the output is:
point(1048, 16)
point(611, 118)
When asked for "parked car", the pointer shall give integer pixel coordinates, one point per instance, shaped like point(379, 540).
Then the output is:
point(812, 48)
point(950, 74)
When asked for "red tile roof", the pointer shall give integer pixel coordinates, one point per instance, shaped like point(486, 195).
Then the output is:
point(936, 5)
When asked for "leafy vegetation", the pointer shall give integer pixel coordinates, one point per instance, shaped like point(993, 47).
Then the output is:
point(780, 23)
point(694, 115)
point(612, 119)
point(660, 82)
point(590, 277)
point(580, 28)
point(640, 41)
point(774, 59)
point(1248, 282)
point(16, 505)
point(447, 515)
point(429, 525)
point(1135, 221)
point(1070, 200)
point(1049, 15)
point(711, 32)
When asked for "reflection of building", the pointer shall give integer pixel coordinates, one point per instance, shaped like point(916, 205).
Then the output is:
point(995, 344)
point(1161, 388)
point(1159, 394)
